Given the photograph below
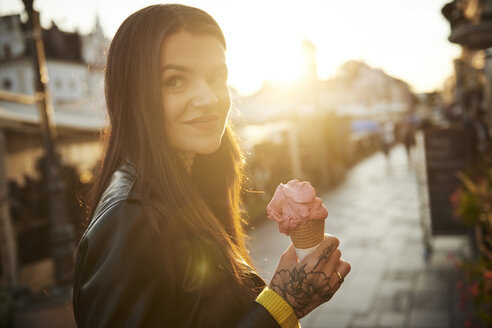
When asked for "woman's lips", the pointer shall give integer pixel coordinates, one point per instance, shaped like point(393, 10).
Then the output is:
point(204, 125)
point(204, 122)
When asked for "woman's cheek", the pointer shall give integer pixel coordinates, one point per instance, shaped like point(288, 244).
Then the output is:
point(172, 117)
point(224, 101)
point(174, 107)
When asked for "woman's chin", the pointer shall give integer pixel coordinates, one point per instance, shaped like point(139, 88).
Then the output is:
point(207, 149)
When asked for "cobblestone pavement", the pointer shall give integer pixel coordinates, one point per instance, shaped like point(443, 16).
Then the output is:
point(375, 214)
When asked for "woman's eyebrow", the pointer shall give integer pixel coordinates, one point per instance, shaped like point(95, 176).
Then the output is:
point(220, 67)
point(177, 67)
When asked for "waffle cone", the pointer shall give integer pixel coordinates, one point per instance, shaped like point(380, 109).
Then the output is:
point(309, 234)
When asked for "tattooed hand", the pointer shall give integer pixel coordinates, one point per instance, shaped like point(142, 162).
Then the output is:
point(312, 282)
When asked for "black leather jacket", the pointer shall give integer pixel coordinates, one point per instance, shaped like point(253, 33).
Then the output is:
point(125, 273)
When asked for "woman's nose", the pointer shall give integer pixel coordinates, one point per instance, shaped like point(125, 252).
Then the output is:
point(203, 95)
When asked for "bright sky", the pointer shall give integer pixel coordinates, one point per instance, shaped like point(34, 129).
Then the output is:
point(407, 39)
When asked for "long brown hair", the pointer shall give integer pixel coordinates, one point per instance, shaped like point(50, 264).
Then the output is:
point(206, 204)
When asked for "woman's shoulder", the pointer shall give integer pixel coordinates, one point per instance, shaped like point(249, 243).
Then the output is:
point(118, 191)
point(121, 217)
point(121, 212)
point(122, 259)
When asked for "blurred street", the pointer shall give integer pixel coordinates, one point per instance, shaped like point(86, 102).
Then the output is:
point(375, 214)
point(351, 98)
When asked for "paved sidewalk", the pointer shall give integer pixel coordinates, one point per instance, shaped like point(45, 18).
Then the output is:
point(375, 214)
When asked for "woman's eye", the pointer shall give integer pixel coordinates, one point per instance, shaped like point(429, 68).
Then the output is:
point(174, 82)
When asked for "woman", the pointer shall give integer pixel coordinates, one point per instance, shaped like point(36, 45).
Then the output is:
point(164, 245)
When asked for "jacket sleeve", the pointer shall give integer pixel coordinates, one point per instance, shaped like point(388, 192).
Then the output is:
point(257, 317)
point(120, 277)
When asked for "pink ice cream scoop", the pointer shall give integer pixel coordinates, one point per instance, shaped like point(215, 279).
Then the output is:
point(295, 203)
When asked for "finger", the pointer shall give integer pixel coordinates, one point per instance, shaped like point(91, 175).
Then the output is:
point(343, 268)
point(333, 261)
point(337, 277)
point(324, 251)
point(330, 239)
point(335, 281)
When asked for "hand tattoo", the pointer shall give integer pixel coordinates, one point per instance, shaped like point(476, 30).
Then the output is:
point(301, 289)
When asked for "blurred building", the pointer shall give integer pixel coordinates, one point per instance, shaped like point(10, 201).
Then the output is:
point(471, 27)
point(455, 137)
point(362, 91)
point(75, 65)
point(357, 90)
point(75, 62)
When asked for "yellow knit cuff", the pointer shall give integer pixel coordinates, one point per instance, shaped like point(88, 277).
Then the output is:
point(280, 310)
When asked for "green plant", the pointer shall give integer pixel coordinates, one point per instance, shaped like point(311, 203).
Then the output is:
point(472, 204)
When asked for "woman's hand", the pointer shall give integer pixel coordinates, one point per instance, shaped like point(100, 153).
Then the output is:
point(314, 280)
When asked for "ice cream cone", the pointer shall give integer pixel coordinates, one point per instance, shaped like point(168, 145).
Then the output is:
point(309, 234)
point(300, 214)
point(307, 237)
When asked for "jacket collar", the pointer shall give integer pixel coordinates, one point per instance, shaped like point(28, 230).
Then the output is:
point(120, 188)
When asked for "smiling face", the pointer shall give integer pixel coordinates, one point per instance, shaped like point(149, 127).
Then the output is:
point(194, 91)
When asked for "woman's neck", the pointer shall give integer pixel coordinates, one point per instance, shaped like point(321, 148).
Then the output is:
point(187, 159)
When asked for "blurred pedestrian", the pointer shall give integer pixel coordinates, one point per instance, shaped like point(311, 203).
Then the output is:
point(164, 245)
point(409, 140)
point(387, 137)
